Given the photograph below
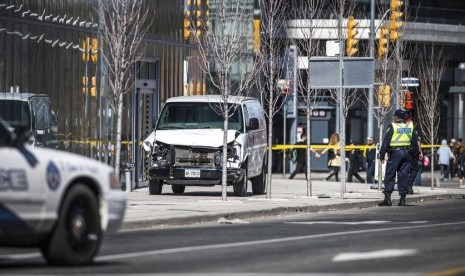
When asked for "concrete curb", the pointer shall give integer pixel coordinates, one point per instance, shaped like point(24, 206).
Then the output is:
point(275, 211)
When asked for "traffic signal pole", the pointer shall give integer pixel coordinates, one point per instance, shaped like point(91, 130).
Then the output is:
point(372, 54)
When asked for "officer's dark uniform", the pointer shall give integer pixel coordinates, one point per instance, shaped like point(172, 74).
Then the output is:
point(397, 143)
point(416, 154)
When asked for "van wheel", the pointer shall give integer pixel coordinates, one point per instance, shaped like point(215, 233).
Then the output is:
point(77, 234)
point(259, 182)
point(178, 189)
point(155, 187)
point(240, 187)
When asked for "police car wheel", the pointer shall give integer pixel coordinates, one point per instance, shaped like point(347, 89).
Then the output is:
point(178, 189)
point(240, 187)
point(155, 187)
point(259, 182)
point(77, 234)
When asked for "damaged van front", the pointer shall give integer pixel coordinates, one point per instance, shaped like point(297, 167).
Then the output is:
point(187, 145)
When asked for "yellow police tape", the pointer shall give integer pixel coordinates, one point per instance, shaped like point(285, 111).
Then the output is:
point(94, 142)
point(347, 148)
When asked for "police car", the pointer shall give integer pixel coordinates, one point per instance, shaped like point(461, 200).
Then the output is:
point(57, 201)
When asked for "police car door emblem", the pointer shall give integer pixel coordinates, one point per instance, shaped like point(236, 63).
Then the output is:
point(53, 176)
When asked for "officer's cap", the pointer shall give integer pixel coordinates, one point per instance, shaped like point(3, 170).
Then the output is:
point(399, 113)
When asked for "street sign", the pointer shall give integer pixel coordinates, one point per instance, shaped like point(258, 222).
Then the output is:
point(410, 82)
point(325, 73)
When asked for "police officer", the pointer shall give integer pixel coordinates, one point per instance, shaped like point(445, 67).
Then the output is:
point(416, 154)
point(397, 143)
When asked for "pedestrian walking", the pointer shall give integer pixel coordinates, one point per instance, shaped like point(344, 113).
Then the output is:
point(355, 161)
point(334, 156)
point(371, 160)
point(417, 155)
point(397, 143)
point(453, 162)
point(461, 164)
point(301, 159)
point(444, 155)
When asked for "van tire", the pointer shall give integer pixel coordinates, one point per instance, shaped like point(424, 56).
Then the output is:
point(76, 237)
point(155, 187)
point(240, 187)
point(259, 182)
point(178, 189)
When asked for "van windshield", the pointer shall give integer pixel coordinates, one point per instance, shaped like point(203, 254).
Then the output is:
point(15, 113)
point(196, 116)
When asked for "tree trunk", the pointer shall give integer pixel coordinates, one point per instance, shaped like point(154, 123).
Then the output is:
point(224, 172)
point(309, 153)
point(270, 156)
point(119, 122)
point(380, 165)
point(432, 164)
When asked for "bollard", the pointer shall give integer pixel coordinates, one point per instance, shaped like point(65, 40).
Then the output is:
point(127, 175)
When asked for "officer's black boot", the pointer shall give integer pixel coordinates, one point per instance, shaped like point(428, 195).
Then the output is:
point(410, 190)
point(402, 201)
point(386, 201)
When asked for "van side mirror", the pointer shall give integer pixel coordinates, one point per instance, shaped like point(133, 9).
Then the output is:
point(253, 124)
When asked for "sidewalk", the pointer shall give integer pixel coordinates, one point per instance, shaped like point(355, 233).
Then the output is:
point(204, 204)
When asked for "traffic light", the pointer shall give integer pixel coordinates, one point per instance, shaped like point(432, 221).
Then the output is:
point(394, 23)
point(351, 43)
point(93, 89)
point(186, 29)
point(85, 49)
point(383, 41)
point(408, 103)
point(85, 86)
point(384, 95)
point(256, 35)
point(94, 50)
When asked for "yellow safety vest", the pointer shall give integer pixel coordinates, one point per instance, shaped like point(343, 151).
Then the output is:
point(402, 136)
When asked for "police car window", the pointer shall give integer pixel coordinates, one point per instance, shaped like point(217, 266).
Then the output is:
point(4, 136)
point(15, 113)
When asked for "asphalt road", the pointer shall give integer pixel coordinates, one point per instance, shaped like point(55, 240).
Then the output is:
point(426, 238)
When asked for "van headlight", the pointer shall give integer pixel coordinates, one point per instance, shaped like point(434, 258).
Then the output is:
point(232, 152)
point(162, 154)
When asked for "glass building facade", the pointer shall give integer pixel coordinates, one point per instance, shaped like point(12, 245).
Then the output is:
point(51, 47)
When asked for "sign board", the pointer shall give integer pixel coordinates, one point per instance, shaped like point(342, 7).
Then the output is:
point(332, 48)
point(291, 76)
point(357, 73)
point(410, 82)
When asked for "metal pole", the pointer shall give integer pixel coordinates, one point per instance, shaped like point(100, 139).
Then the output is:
point(372, 53)
point(341, 103)
point(399, 73)
point(284, 138)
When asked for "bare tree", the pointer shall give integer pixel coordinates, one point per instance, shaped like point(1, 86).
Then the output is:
point(123, 29)
point(343, 99)
point(306, 18)
point(222, 48)
point(272, 56)
point(385, 76)
point(431, 67)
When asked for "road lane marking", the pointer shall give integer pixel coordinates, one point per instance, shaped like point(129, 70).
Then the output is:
point(379, 254)
point(340, 222)
point(23, 256)
point(261, 242)
point(353, 222)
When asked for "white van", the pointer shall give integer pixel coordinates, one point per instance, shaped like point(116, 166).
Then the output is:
point(186, 145)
